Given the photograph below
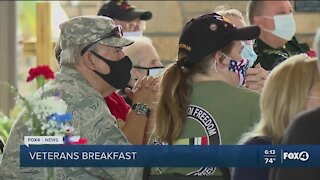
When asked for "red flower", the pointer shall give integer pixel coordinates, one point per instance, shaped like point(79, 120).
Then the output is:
point(312, 53)
point(44, 70)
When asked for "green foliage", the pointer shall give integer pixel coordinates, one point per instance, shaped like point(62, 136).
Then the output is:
point(5, 126)
point(27, 18)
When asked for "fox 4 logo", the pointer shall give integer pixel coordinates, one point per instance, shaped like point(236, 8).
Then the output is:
point(301, 156)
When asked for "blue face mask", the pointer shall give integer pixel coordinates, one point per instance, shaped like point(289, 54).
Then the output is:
point(249, 54)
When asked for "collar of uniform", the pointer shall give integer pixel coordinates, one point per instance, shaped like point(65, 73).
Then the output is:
point(263, 48)
point(73, 73)
point(259, 44)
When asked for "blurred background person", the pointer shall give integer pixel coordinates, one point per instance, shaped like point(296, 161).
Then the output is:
point(283, 97)
point(129, 17)
point(276, 41)
point(303, 130)
point(145, 61)
point(255, 75)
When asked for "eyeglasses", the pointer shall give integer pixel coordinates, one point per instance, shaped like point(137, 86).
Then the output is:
point(152, 71)
point(116, 32)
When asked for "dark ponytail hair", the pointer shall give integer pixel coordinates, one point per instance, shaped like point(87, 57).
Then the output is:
point(175, 90)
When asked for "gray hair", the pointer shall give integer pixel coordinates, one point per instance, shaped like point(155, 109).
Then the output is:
point(133, 51)
point(224, 10)
point(71, 55)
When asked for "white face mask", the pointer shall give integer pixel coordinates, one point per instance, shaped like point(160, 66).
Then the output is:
point(132, 34)
point(285, 26)
point(152, 71)
point(155, 72)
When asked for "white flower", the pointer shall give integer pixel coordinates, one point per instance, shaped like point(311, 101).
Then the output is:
point(43, 109)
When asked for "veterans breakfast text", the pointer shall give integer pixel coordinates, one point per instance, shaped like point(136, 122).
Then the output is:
point(97, 155)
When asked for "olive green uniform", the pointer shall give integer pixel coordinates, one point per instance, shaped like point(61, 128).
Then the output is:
point(269, 57)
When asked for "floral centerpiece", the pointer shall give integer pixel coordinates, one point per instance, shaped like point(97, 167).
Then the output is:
point(47, 116)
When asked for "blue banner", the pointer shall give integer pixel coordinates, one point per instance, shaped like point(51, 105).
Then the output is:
point(169, 156)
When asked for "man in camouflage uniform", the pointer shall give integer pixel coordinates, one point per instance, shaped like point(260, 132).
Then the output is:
point(276, 41)
point(89, 44)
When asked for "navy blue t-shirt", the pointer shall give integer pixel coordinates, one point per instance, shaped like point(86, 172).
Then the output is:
point(240, 173)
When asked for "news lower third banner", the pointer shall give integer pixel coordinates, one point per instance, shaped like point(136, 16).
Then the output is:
point(169, 156)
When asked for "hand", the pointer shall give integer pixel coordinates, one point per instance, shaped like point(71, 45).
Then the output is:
point(120, 123)
point(255, 78)
point(145, 91)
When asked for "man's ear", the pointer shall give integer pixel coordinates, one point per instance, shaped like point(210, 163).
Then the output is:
point(134, 73)
point(257, 20)
point(134, 76)
point(88, 59)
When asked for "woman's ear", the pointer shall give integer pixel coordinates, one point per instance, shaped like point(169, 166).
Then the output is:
point(219, 58)
point(259, 21)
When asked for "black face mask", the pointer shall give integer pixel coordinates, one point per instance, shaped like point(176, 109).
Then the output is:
point(119, 74)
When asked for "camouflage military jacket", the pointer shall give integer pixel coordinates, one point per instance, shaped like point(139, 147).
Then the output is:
point(269, 57)
point(91, 118)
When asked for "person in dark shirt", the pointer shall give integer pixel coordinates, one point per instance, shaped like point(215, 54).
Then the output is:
point(276, 41)
point(303, 130)
point(132, 20)
point(291, 88)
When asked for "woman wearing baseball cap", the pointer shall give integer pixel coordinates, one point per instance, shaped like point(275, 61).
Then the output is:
point(201, 102)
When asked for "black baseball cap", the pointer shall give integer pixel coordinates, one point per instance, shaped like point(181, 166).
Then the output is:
point(122, 10)
point(209, 33)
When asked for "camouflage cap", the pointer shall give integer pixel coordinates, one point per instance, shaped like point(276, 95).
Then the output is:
point(87, 29)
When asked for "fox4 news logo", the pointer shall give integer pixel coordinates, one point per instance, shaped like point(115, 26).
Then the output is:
point(301, 156)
